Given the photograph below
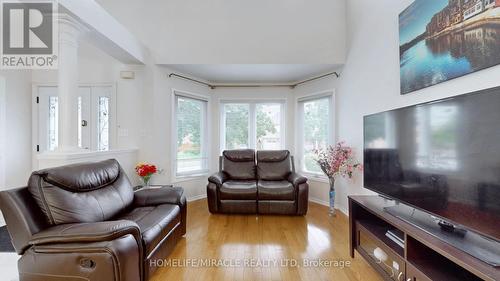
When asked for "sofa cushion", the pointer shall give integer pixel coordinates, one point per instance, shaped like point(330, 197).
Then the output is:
point(275, 190)
point(273, 165)
point(83, 177)
point(88, 192)
point(239, 164)
point(238, 206)
point(239, 155)
point(155, 223)
point(238, 190)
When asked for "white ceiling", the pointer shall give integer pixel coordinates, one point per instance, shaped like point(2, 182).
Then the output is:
point(236, 31)
point(252, 73)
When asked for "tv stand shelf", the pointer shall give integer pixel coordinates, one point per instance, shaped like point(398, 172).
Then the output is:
point(423, 257)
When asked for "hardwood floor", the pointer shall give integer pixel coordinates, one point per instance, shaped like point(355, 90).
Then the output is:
point(243, 243)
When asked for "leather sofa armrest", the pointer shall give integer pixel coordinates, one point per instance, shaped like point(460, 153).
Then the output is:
point(158, 196)
point(296, 179)
point(87, 232)
point(166, 195)
point(218, 178)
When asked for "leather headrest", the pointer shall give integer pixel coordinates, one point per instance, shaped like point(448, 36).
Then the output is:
point(82, 177)
point(240, 155)
point(272, 155)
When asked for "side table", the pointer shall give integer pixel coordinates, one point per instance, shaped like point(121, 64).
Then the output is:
point(154, 186)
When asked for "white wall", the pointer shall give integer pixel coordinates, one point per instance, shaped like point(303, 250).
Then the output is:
point(369, 82)
point(94, 66)
point(237, 31)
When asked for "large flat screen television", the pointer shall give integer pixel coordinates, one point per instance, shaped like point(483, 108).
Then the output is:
point(442, 157)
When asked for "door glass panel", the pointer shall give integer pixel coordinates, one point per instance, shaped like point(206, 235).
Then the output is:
point(103, 124)
point(53, 123)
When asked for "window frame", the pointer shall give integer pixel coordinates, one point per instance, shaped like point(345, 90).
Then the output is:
point(299, 122)
point(205, 136)
point(252, 120)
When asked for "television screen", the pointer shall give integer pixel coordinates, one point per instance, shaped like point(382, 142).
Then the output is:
point(442, 157)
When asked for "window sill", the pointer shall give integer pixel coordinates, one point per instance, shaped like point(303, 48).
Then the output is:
point(179, 179)
point(316, 178)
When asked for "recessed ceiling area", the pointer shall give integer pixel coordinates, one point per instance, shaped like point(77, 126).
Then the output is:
point(252, 73)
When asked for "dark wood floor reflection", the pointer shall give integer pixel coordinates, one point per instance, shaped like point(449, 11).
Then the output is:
point(264, 248)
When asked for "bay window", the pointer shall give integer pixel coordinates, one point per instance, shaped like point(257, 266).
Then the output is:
point(190, 133)
point(252, 124)
point(315, 129)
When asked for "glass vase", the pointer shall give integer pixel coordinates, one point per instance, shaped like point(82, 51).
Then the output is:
point(331, 193)
point(146, 180)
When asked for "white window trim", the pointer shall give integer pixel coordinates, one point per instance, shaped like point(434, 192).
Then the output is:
point(206, 135)
point(320, 177)
point(252, 120)
point(35, 121)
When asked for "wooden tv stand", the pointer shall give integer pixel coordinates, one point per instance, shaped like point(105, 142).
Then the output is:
point(423, 257)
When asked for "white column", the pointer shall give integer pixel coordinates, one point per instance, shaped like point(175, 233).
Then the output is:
point(69, 32)
point(3, 133)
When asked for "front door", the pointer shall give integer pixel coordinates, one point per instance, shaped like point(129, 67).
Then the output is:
point(94, 104)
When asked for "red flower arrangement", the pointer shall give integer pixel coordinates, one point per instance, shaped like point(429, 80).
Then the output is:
point(145, 171)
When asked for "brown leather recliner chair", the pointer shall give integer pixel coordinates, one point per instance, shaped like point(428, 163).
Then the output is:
point(84, 222)
point(266, 186)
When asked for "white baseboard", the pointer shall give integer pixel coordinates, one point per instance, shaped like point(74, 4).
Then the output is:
point(319, 201)
point(327, 204)
point(196, 197)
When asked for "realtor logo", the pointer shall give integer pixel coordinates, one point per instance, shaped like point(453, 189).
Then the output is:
point(29, 35)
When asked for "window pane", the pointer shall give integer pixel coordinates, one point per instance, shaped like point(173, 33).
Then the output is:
point(315, 130)
point(236, 125)
point(103, 124)
point(53, 123)
point(190, 135)
point(268, 126)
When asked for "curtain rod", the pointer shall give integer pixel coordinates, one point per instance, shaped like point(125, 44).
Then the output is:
point(213, 86)
point(191, 79)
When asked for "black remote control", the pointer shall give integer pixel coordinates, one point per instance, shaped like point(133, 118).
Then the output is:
point(446, 226)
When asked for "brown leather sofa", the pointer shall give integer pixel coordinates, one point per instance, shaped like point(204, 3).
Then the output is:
point(85, 222)
point(264, 182)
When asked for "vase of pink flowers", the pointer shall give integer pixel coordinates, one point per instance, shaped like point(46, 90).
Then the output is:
point(337, 161)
